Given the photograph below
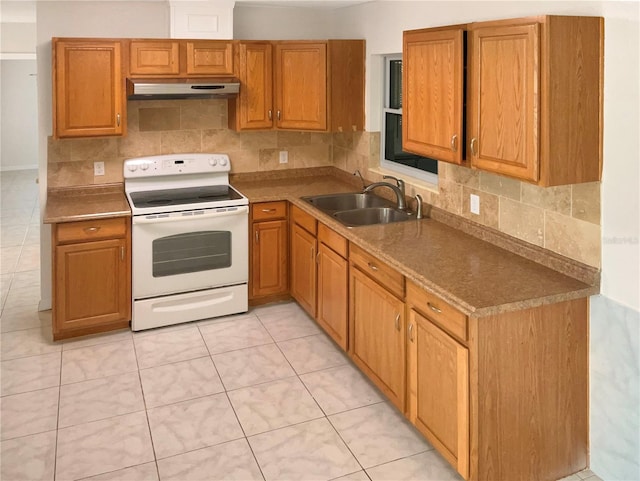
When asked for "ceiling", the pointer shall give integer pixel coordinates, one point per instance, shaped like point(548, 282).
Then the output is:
point(323, 4)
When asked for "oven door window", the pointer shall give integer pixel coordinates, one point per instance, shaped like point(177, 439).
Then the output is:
point(191, 252)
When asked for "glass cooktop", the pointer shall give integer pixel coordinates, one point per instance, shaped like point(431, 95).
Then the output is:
point(189, 195)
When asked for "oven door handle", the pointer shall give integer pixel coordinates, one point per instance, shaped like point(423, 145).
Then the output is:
point(180, 218)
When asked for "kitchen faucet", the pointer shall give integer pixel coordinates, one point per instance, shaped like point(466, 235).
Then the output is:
point(398, 190)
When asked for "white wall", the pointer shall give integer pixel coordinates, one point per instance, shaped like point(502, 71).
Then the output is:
point(81, 19)
point(281, 23)
point(19, 118)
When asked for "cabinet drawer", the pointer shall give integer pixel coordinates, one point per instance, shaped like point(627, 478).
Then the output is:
point(448, 318)
point(90, 230)
point(378, 270)
point(269, 210)
point(332, 239)
point(307, 221)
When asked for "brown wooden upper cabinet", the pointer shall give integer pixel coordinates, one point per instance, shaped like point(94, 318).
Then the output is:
point(433, 79)
point(533, 100)
point(88, 88)
point(300, 85)
point(180, 58)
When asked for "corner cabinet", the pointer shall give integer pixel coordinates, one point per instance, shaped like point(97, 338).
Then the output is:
point(88, 88)
point(532, 105)
point(91, 276)
point(268, 277)
point(299, 85)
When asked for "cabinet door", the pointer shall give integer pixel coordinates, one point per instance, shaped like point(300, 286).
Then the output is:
point(433, 90)
point(504, 100)
point(377, 343)
point(301, 85)
point(209, 57)
point(92, 284)
point(254, 105)
point(269, 258)
point(154, 57)
point(303, 268)
point(438, 371)
point(333, 288)
point(88, 88)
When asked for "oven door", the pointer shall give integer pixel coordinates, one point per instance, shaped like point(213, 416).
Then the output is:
point(188, 251)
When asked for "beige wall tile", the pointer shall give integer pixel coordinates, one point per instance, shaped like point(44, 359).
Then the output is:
point(339, 157)
point(133, 119)
point(291, 139)
point(320, 138)
point(361, 143)
point(58, 150)
point(112, 173)
point(203, 114)
point(459, 175)
point(244, 161)
point(585, 202)
point(557, 199)
point(221, 140)
point(139, 144)
point(159, 119)
point(523, 221)
point(315, 155)
point(258, 140)
point(573, 238)
point(356, 161)
point(180, 141)
point(102, 149)
point(270, 160)
point(489, 207)
point(64, 174)
point(344, 140)
point(450, 196)
point(499, 185)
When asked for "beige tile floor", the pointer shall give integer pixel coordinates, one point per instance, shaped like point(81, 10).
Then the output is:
point(263, 395)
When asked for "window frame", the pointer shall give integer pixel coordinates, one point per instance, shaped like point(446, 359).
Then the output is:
point(386, 164)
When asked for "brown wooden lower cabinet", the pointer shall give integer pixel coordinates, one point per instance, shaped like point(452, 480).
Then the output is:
point(268, 277)
point(91, 276)
point(303, 268)
point(377, 335)
point(333, 299)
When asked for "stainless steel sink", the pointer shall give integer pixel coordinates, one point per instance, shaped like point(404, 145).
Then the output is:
point(357, 209)
point(371, 216)
point(352, 200)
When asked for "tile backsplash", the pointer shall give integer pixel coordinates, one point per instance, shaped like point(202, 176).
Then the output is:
point(563, 219)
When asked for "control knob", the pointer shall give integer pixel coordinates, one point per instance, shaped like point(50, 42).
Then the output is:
point(144, 166)
point(132, 167)
point(213, 162)
point(223, 162)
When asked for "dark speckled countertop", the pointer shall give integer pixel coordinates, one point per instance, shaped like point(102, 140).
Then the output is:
point(475, 276)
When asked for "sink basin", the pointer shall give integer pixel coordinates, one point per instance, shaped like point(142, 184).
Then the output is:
point(352, 200)
point(371, 216)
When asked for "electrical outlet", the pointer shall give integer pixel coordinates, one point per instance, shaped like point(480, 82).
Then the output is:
point(474, 204)
point(98, 168)
point(284, 157)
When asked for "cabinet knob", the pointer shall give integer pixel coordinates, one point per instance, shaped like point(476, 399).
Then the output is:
point(373, 267)
point(454, 143)
point(473, 144)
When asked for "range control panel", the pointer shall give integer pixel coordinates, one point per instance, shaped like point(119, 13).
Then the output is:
point(176, 164)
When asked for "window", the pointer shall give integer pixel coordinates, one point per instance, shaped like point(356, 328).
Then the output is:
point(392, 155)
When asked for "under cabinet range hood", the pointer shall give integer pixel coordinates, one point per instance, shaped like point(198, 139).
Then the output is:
point(172, 88)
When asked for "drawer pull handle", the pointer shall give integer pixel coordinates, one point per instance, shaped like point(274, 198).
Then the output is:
point(473, 146)
point(267, 211)
point(411, 332)
point(257, 237)
point(397, 321)
point(91, 230)
point(270, 114)
point(122, 253)
point(454, 143)
point(373, 267)
point(434, 308)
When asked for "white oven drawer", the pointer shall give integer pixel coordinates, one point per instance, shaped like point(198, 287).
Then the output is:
point(189, 251)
